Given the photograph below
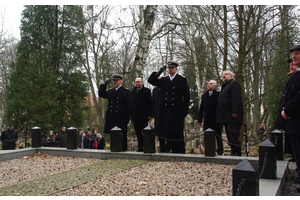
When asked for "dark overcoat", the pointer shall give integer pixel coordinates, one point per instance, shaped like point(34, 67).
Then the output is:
point(9, 139)
point(141, 105)
point(118, 107)
point(292, 106)
point(173, 103)
point(208, 111)
point(155, 107)
point(280, 122)
point(229, 102)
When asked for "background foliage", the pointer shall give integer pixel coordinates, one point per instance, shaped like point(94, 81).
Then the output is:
point(53, 73)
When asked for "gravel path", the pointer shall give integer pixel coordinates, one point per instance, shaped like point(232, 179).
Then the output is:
point(161, 179)
point(290, 185)
point(44, 175)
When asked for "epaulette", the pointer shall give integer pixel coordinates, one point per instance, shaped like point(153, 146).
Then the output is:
point(164, 76)
point(183, 76)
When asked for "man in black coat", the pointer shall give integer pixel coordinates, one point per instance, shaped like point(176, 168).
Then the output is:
point(230, 111)
point(173, 106)
point(118, 108)
point(291, 110)
point(63, 137)
point(155, 109)
point(9, 137)
point(280, 122)
point(208, 109)
point(141, 109)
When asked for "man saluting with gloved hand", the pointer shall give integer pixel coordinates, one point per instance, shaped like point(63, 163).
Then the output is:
point(118, 107)
point(173, 106)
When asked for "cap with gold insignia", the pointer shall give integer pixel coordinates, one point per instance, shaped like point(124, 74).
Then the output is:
point(117, 77)
point(172, 64)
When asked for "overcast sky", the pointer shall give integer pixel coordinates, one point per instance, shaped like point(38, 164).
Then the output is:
point(12, 17)
point(13, 9)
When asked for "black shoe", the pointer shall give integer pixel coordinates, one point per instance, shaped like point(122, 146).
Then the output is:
point(139, 150)
point(296, 179)
point(162, 150)
point(298, 189)
point(292, 159)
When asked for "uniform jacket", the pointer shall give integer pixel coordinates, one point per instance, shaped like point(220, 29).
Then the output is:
point(292, 106)
point(141, 104)
point(173, 103)
point(118, 108)
point(229, 102)
point(280, 122)
point(208, 110)
point(9, 139)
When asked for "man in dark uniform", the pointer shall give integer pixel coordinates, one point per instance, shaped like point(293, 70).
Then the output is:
point(173, 106)
point(119, 106)
point(155, 108)
point(208, 108)
point(9, 137)
point(230, 111)
point(291, 110)
point(141, 109)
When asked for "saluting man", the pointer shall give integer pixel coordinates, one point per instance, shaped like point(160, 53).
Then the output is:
point(173, 106)
point(119, 106)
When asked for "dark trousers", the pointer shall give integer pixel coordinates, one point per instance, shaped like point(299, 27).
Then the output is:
point(220, 149)
point(162, 145)
point(295, 140)
point(175, 143)
point(288, 145)
point(124, 140)
point(138, 128)
point(233, 132)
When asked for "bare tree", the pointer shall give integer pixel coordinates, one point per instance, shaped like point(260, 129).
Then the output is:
point(146, 21)
point(7, 57)
point(98, 52)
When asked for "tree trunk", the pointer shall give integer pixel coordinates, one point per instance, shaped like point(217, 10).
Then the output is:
point(147, 20)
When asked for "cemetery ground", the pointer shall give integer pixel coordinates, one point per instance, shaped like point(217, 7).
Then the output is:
point(101, 172)
point(43, 174)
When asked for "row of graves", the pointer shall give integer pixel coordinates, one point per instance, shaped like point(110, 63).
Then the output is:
point(246, 175)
